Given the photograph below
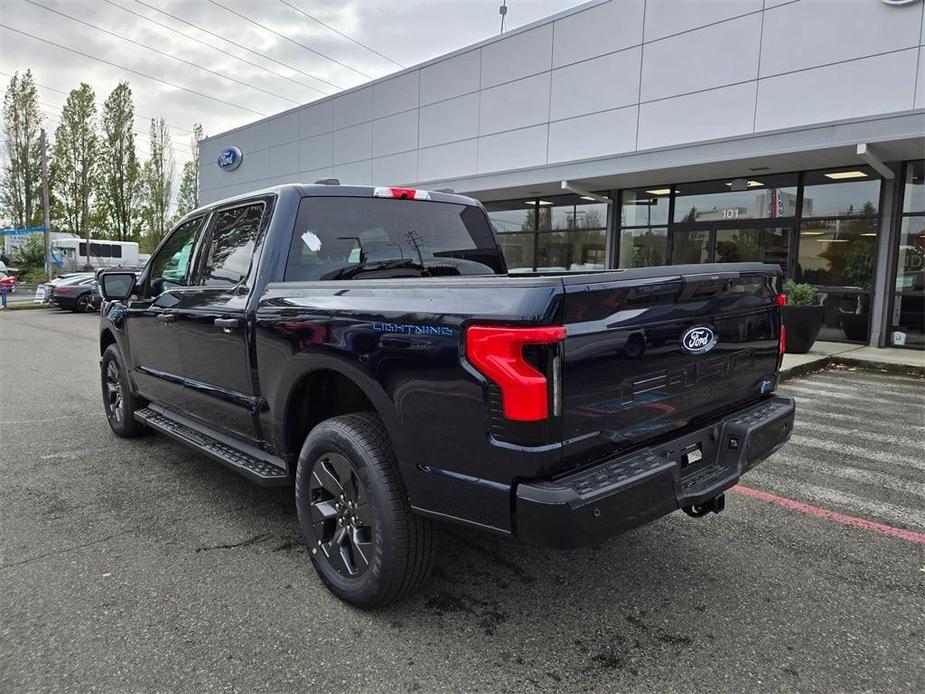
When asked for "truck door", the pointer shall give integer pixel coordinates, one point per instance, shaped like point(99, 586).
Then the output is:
point(213, 327)
point(150, 322)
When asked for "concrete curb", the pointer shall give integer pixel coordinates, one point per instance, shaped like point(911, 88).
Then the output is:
point(827, 361)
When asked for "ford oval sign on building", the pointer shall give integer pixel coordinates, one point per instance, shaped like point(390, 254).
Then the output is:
point(698, 340)
point(230, 159)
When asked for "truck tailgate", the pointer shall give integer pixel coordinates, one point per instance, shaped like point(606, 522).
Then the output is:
point(652, 351)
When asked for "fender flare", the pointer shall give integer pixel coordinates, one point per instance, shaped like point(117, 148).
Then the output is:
point(303, 365)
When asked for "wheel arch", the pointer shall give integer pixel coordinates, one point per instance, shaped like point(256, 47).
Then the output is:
point(106, 338)
point(327, 390)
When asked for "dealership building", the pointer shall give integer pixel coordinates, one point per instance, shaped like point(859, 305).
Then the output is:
point(626, 133)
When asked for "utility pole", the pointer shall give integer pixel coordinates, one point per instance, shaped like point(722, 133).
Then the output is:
point(503, 12)
point(46, 221)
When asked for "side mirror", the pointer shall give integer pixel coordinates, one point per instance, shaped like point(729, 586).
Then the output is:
point(117, 286)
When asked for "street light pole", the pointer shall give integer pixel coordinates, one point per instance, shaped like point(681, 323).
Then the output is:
point(46, 221)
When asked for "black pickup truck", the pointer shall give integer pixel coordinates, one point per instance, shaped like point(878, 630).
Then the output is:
point(367, 346)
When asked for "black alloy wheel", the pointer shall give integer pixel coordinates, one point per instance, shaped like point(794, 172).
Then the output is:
point(340, 514)
point(84, 304)
point(119, 400)
point(115, 405)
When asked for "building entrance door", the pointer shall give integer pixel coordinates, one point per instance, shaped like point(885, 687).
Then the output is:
point(733, 243)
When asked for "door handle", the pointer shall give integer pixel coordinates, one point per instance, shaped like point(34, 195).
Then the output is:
point(167, 317)
point(227, 323)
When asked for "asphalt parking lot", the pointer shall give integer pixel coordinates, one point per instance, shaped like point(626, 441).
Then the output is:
point(141, 566)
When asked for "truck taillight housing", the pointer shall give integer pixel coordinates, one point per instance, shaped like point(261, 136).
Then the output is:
point(781, 300)
point(499, 354)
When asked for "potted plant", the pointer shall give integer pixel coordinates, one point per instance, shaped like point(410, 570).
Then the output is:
point(801, 316)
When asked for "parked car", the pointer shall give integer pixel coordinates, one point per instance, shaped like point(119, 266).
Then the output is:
point(43, 291)
point(367, 346)
point(76, 294)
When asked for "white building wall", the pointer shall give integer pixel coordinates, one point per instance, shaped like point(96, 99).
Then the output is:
point(610, 77)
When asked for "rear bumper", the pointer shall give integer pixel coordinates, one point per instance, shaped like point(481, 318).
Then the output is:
point(626, 492)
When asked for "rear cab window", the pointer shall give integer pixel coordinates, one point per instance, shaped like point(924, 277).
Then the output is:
point(354, 237)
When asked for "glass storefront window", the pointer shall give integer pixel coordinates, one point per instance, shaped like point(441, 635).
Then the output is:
point(643, 247)
point(643, 207)
point(908, 324)
point(758, 197)
point(841, 193)
point(690, 247)
point(914, 191)
point(571, 251)
point(837, 252)
point(511, 216)
point(518, 251)
point(577, 216)
point(846, 315)
point(766, 245)
point(910, 267)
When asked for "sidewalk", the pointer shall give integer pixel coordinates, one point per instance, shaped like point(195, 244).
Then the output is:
point(826, 353)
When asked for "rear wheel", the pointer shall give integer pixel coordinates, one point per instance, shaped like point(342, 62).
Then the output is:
point(84, 304)
point(119, 401)
point(364, 541)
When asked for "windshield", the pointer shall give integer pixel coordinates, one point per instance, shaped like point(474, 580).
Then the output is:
point(349, 237)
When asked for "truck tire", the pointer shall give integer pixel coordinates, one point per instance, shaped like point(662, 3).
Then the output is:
point(364, 541)
point(119, 401)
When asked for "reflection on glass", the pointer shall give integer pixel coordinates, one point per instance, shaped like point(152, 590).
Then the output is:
point(644, 209)
point(518, 251)
point(572, 251)
point(573, 216)
point(758, 197)
point(643, 247)
point(753, 245)
point(520, 218)
point(846, 317)
point(908, 320)
point(690, 247)
point(843, 198)
point(910, 268)
point(837, 252)
point(914, 193)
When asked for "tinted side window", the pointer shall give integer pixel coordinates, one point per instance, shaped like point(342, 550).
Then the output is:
point(172, 262)
point(117, 251)
point(231, 246)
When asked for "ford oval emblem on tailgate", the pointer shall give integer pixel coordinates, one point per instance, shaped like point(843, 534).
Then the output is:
point(698, 340)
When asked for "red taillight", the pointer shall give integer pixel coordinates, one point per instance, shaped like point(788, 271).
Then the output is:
point(498, 353)
point(62, 290)
point(401, 193)
point(781, 299)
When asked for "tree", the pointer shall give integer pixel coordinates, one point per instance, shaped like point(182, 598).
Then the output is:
point(188, 194)
point(75, 162)
point(21, 182)
point(120, 172)
point(158, 176)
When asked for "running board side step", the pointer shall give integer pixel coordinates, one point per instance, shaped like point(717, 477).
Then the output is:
point(258, 466)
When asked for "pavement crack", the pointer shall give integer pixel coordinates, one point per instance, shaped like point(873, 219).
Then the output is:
point(60, 551)
point(244, 543)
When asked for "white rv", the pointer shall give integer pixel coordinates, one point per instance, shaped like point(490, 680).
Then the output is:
point(103, 253)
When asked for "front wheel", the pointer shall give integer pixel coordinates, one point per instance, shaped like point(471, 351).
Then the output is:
point(364, 541)
point(84, 304)
point(119, 401)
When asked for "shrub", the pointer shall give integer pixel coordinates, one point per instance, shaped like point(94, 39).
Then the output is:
point(799, 294)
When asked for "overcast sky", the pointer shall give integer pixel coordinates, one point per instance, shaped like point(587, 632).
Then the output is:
point(407, 32)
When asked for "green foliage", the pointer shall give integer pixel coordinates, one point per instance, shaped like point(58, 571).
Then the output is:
point(120, 172)
point(31, 252)
point(75, 163)
point(799, 294)
point(158, 175)
point(188, 194)
point(21, 181)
